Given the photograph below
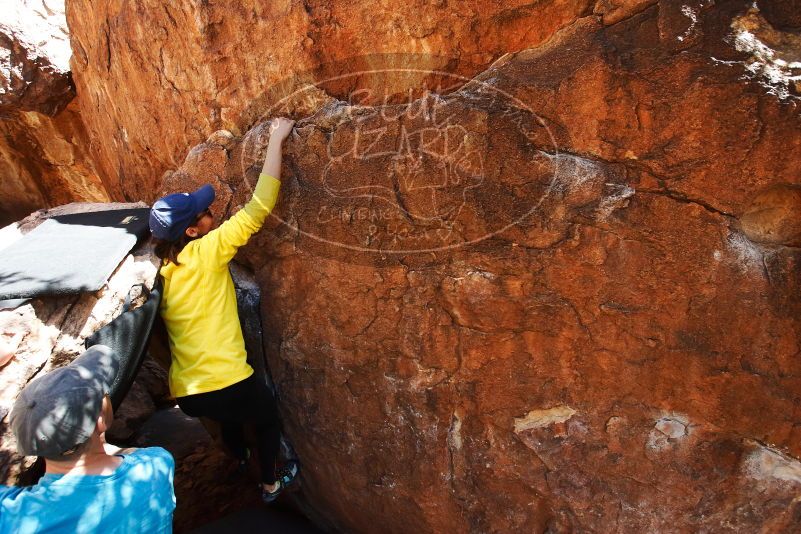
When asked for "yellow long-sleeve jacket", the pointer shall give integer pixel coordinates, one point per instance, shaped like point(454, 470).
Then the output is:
point(199, 302)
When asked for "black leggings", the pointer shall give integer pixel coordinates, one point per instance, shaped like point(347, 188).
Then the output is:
point(248, 401)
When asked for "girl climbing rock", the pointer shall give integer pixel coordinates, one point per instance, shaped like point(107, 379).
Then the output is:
point(209, 374)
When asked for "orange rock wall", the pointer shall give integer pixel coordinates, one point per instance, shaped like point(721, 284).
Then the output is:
point(157, 78)
point(45, 154)
point(622, 356)
point(45, 161)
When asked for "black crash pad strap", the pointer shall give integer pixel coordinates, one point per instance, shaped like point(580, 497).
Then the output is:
point(128, 335)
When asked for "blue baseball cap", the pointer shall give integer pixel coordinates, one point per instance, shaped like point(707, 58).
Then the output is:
point(170, 216)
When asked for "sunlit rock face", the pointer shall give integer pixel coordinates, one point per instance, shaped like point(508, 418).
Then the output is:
point(160, 77)
point(540, 303)
point(34, 57)
point(44, 150)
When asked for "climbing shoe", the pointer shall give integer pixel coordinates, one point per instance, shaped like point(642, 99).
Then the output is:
point(286, 476)
point(289, 472)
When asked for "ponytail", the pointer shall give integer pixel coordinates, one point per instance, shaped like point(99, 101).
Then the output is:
point(169, 250)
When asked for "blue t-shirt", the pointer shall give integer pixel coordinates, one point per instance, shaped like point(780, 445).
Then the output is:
point(137, 497)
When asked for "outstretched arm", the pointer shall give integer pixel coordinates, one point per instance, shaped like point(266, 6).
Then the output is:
point(266, 191)
point(279, 130)
point(220, 245)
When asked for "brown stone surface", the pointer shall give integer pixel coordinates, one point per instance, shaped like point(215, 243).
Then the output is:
point(774, 55)
point(613, 11)
point(45, 162)
point(34, 57)
point(608, 353)
point(45, 156)
point(775, 216)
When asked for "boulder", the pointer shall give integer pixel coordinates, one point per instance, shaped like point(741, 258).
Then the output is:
point(773, 55)
point(774, 217)
point(531, 304)
point(44, 150)
point(783, 14)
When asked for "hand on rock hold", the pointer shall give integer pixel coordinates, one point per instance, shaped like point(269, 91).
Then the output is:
point(280, 128)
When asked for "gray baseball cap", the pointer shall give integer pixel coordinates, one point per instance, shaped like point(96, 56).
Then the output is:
point(59, 410)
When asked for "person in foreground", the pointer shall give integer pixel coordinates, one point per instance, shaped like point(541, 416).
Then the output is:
point(209, 374)
point(88, 485)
